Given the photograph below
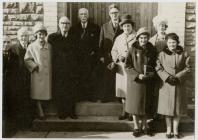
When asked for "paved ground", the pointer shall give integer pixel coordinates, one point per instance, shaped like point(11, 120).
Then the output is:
point(106, 135)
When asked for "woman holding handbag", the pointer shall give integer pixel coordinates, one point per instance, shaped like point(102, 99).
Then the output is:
point(118, 52)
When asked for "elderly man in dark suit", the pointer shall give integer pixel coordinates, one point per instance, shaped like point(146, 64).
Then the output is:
point(19, 104)
point(86, 36)
point(109, 31)
point(63, 70)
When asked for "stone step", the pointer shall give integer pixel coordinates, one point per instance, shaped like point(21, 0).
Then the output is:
point(99, 109)
point(101, 123)
point(92, 109)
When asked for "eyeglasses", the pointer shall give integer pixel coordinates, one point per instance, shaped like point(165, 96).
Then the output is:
point(113, 13)
point(65, 23)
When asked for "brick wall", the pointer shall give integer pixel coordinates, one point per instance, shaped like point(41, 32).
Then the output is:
point(190, 25)
point(17, 15)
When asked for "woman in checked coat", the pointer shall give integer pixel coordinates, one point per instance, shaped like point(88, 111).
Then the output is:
point(38, 61)
point(140, 68)
point(172, 67)
point(118, 52)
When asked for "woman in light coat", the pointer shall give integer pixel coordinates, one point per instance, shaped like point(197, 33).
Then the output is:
point(118, 52)
point(38, 61)
point(172, 67)
point(158, 40)
point(140, 63)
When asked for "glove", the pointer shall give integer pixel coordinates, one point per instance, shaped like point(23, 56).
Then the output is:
point(172, 80)
point(121, 58)
point(111, 66)
point(36, 69)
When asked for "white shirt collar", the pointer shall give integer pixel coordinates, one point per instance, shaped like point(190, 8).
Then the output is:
point(85, 24)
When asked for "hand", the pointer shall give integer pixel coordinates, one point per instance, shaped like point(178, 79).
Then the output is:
point(172, 80)
point(92, 53)
point(121, 58)
point(144, 77)
point(102, 59)
point(36, 69)
point(111, 66)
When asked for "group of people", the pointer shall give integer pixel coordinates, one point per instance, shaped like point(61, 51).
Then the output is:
point(84, 62)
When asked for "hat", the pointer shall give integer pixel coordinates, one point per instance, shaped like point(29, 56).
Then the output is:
point(157, 20)
point(126, 19)
point(113, 6)
point(39, 27)
point(142, 31)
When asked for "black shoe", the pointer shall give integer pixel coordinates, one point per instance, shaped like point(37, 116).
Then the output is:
point(62, 117)
point(136, 133)
point(74, 117)
point(41, 117)
point(178, 136)
point(148, 132)
point(169, 136)
point(123, 117)
point(130, 118)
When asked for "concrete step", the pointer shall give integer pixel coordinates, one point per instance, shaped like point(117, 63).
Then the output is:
point(102, 123)
point(91, 109)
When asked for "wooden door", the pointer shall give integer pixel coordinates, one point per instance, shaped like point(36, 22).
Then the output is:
point(142, 13)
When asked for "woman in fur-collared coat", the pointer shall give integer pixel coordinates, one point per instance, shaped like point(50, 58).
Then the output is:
point(172, 67)
point(140, 82)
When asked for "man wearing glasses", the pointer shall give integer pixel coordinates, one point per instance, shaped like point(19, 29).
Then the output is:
point(63, 70)
point(109, 31)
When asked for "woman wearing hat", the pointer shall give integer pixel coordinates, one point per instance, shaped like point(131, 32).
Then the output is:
point(172, 67)
point(139, 66)
point(38, 61)
point(158, 40)
point(118, 52)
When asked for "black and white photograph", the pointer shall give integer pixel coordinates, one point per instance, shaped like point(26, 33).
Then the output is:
point(98, 69)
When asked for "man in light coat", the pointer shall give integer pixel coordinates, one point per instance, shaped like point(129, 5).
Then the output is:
point(109, 31)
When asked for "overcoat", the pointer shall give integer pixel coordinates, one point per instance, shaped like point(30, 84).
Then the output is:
point(87, 42)
point(107, 38)
point(39, 56)
point(138, 91)
point(172, 99)
point(120, 48)
point(64, 72)
point(158, 43)
point(19, 104)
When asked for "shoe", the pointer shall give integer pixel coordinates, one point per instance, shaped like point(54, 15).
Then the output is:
point(41, 117)
point(74, 117)
point(123, 116)
point(130, 118)
point(136, 133)
point(178, 136)
point(148, 132)
point(169, 136)
point(62, 117)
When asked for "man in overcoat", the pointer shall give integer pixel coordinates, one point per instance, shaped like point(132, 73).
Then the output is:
point(109, 31)
point(20, 106)
point(63, 70)
point(86, 36)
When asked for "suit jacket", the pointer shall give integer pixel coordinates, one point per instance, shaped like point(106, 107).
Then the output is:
point(107, 38)
point(16, 69)
point(87, 42)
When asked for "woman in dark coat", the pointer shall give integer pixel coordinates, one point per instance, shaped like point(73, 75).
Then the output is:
point(139, 65)
point(172, 67)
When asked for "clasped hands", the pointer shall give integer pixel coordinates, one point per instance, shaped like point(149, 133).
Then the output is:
point(172, 80)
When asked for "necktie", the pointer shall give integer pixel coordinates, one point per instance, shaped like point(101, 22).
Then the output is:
point(84, 30)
